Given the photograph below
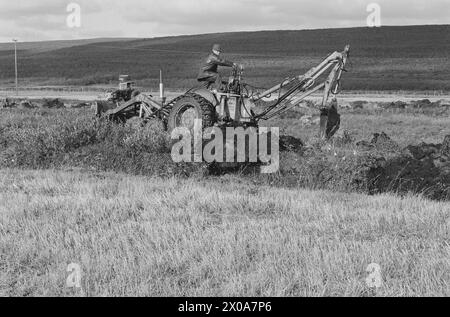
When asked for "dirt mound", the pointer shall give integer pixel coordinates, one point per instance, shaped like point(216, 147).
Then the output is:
point(53, 103)
point(79, 105)
point(424, 150)
point(82, 105)
point(17, 103)
point(7, 103)
point(26, 104)
point(380, 142)
point(395, 105)
point(359, 104)
point(423, 168)
point(376, 166)
point(426, 103)
point(290, 144)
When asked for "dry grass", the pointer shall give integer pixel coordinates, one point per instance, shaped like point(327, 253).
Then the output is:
point(147, 236)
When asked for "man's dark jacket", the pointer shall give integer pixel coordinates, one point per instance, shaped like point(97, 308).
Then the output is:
point(209, 69)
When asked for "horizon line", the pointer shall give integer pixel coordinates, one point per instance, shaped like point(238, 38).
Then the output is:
point(225, 32)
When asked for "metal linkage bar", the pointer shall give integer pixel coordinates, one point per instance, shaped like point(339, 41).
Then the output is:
point(141, 105)
point(304, 84)
point(297, 103)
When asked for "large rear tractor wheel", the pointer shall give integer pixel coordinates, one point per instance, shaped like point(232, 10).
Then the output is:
point(187, 109)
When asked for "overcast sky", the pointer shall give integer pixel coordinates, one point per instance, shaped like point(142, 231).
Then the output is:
point(31, 20)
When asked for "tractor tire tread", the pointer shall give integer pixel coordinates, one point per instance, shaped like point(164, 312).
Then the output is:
point(208, 110)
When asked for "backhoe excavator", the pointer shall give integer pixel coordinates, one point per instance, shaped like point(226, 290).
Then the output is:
point(235, 103)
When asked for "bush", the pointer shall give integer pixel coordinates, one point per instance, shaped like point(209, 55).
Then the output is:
point(37, 144)
point(73, 138)
point(70, 138)
point(151, 137)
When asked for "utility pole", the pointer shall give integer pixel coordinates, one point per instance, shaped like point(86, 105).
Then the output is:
point(15, 64)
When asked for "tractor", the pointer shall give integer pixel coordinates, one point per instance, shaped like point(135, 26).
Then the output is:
point(124, 93)
point(236, 103)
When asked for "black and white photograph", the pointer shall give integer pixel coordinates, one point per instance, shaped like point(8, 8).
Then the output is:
point(224, 156)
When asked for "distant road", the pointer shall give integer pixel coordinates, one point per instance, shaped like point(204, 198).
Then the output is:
point(66, 94)
point(98, 93)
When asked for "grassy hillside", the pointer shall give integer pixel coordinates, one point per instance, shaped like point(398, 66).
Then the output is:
point(387, 58)
point(139, 236)
point(45, 46)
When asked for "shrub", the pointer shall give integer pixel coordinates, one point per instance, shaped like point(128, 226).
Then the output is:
point(73, 138)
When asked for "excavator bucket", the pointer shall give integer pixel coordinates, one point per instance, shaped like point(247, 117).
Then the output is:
point(330, 121)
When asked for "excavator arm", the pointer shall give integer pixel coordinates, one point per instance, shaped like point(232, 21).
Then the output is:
point(300, 87)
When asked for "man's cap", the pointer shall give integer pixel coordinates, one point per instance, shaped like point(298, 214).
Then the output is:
point(216, 47)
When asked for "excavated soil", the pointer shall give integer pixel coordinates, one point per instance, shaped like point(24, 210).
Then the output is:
point(53, 104)
point(424, 104)
point(290, 144)
point(42, 103)
point(423, 168)
point(377, 166)
point(374, 166)
point(31, 104)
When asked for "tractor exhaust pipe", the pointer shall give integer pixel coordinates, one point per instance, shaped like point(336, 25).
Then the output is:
point(161, 88)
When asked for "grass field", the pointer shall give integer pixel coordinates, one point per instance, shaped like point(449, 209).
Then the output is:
point(386, 58)
point(153, 237)
point(109, 198)
point(75, 189)
point(49, 138)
